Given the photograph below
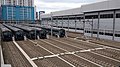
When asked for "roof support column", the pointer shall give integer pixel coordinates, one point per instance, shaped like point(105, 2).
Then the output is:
point(98, 25)
point(75, 23)
point(68, 23)
point(84, 24)
point(51, 24)
point(114, 16)
point(57, 21)
point(62, 22)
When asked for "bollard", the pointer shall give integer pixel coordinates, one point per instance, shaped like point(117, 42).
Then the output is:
point(38, 37)
point(47, 36)
point(58, 36)
point(13, 38)
point(25, 38)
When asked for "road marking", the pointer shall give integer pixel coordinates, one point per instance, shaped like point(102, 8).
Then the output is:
point(26, 56)
point(73, 53)
point(53, 54)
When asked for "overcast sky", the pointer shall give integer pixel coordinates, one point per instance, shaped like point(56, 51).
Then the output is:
point(57, 5)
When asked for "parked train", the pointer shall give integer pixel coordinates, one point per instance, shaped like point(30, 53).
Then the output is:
point(55, 31)
point(6, 34)
point(18, 33)
point(32, 32)
point(41, 33)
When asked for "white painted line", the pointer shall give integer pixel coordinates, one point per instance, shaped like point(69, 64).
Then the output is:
point(66, 53)
point(26, 56)
point(2, 60)
point(99, 48)
point(102, 55)
point(79, 56)
point(89, 50)
point(105, 56)
point(36, 58)
point(53, 54)
point(88, 60)
point(97, 44)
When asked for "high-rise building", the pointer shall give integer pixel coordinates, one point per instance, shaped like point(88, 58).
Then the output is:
point(18, 2)
point(0, 13)
point(17, 10)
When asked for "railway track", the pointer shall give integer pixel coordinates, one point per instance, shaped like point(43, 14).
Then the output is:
point(13, 56)
point(83, 45)
point(52, 62)
point(109, 52)
point(75, 62)
point(105, 62)
point(74, 34)
point(34, 52)
point(63, 53)
point(106, 57)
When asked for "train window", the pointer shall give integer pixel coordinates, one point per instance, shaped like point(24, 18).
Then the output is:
point(6, 33)
point(106, 16)
point(118, 15)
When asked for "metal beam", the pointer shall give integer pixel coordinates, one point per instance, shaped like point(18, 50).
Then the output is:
point(84, 24)
point(68, 23)
point(98, 25)
point(114, 16)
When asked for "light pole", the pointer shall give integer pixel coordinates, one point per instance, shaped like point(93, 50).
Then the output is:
point(75, 23)
point(62, 22)
point(68, 23)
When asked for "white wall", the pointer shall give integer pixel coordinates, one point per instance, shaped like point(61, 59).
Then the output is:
point(105, 5)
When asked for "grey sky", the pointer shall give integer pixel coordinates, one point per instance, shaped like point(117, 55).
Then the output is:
point(56, 5)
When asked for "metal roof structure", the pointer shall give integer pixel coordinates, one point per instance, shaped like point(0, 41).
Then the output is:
point(99, 6)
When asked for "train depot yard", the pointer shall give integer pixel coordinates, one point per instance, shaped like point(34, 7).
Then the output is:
point(87, 36)
point(63, 49)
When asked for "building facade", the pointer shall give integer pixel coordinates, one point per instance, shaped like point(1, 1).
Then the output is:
point(0, 13)
point(18, 2)
point(101, 20)
point(17, 10)
point(17, 13)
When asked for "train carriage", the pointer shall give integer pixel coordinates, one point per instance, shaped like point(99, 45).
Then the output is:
point(30, 32)
point(55, 31)
point(18, 33)
point(6, 34)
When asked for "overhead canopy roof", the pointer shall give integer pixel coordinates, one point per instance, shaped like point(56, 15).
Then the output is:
point(99, 6)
